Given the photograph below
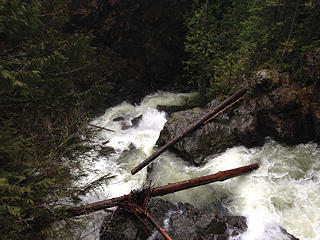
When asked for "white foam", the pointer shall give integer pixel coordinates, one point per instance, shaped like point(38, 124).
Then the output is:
point(283, 192)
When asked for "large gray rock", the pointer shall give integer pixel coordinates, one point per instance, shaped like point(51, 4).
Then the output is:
point(276, 108)
point(181, 221)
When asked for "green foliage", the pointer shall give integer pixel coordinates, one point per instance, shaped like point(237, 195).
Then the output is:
point(250, 35)
point(43, 113)
point(201, 45)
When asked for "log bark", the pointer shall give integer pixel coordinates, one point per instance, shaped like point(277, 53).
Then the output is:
point(93, 207)
point(163, 190)
point(194, 126)
point(195, 182)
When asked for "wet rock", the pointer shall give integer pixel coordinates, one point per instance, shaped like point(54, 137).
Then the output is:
point(122, 226)
point(182, 221)
point(118, 119)
point(125, 125)
point(136, 121)
point(287, 113)
point(266, 80)
point(171, 109)
point(105, 151)
point(290, 236)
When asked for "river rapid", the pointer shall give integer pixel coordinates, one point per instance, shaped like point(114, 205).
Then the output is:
point(284, 191)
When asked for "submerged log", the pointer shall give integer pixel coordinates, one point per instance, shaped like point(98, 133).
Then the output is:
point(194, 126)
point(160, 191)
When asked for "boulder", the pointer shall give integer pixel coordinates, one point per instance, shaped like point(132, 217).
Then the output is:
point(265, 80)
point(277, 107)
point(118, 119)
point(136, 121)
point(171, 109)
point(106, 151)
point(182, 221)
point(311, 67)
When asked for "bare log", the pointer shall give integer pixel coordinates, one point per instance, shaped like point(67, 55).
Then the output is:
point(95, 206)
point(195, 182)
point(103, 128)
point(163, 190)
point(194, 126)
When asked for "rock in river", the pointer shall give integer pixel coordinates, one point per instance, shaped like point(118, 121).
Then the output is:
point(277, 108)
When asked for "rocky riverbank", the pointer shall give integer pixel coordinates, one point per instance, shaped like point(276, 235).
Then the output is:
point(276, 107)
point(181, 221)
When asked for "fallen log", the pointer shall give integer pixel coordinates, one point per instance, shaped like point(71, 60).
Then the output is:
point(199, 181)
point(103, 128)
point(160, 191)
point(194, 126)
point(93, 207)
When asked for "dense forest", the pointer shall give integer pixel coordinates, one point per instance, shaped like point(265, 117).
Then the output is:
point(62, 62)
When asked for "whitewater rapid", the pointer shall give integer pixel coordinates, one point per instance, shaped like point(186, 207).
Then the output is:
point(283, 192)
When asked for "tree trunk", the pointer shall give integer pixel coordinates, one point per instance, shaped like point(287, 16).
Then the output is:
point(160, 191)
point(194, 126)
point(203, 76)
point(195, 182)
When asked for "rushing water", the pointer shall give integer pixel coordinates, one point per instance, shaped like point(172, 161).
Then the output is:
point(283, 192)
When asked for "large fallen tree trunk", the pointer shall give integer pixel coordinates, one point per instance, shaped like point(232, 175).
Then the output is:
point(195, 182)
point(160, 191)
point(194, 126)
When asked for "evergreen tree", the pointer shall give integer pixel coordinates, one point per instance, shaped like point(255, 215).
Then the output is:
point(246, 36)
point(43, 119)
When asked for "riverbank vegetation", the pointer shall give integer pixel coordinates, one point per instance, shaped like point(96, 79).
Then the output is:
point(227, 41)
point(61, 62)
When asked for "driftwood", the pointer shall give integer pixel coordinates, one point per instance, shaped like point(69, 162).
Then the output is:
point(194, 126)
point(140, 197)
point(103, 128)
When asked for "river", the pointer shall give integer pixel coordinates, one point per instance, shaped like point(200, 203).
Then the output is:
point(283, 192)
